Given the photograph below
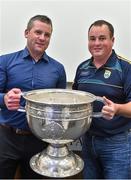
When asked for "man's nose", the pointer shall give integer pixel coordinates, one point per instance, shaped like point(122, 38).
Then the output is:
point(42, 36)
point(97, 41)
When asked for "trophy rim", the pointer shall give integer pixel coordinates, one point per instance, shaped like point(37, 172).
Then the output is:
point(90, 97)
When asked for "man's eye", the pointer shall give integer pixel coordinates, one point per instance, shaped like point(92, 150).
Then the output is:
point(92, 39)
point(47, 35)
point(102, 38)
point(38, 32)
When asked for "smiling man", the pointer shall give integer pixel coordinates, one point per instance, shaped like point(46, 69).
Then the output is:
point(27, 69)
point(107, 145)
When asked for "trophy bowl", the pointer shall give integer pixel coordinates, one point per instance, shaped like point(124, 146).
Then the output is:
point(58, 117)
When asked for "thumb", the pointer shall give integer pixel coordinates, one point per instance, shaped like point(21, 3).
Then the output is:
point(16, 90)
point(107, 101)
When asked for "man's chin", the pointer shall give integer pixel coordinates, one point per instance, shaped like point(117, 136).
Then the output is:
point(97, 55)
point(40, 50)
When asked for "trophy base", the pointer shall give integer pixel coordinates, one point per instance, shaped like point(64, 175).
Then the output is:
point(57, 162)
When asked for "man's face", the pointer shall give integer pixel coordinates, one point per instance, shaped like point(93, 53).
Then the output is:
point(99, 42)
point(38, 37)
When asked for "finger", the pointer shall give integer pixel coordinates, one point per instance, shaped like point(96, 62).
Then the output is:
point(12, 96)
point(107, 117)
point(108, 109)
point(107, 114)
point(13, 104)
point(10, 103)
point(13, 108)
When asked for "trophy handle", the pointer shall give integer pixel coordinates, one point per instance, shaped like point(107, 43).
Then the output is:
point(22, 108)
point(98, 114)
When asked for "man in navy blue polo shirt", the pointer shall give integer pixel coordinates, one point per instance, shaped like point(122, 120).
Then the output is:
point(106, 146)
point(28, 69)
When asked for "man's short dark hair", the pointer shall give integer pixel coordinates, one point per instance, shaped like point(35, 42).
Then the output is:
point(42, 18)
point(103, 22)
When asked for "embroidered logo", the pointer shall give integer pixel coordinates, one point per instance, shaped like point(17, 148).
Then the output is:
point(107, 74)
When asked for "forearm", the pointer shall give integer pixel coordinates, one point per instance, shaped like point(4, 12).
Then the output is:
point(123, 109)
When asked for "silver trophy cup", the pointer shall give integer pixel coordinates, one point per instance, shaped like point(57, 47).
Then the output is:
point(58, 117)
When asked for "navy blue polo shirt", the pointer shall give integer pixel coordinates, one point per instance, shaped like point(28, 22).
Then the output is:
point(19, 70)
point(112, 80)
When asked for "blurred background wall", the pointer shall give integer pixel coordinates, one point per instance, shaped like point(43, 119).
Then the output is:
point(71, 20)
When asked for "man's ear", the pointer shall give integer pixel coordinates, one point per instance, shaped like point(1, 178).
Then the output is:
point(113, 39)
point(26, 33)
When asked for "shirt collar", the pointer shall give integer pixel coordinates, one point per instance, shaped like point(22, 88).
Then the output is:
point(110, 62)
point(26, 54)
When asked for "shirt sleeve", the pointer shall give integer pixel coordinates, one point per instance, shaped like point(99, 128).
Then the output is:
point(75, 84)
point(127, 82)
point(62, 78)
point(3, 79)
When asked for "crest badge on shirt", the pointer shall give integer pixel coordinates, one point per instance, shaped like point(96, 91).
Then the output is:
point(107, 74)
